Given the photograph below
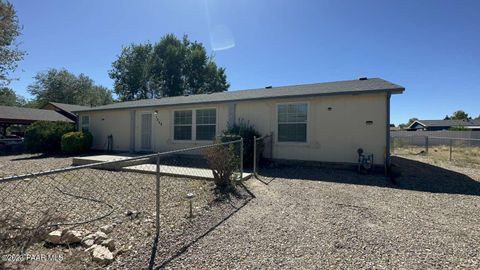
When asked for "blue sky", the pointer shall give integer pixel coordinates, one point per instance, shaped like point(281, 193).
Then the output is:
point(430, 47)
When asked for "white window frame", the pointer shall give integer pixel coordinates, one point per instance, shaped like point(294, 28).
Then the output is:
point(183, 125)
point(83, 125)
point(307, 122)
point(194, 124)
point(195, 132)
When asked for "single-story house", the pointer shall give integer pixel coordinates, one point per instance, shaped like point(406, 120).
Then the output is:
point(64, 109)
point(324, 122)
point(434, 125)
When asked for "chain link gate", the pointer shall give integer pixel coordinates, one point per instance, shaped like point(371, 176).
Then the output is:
point(262, 157)
point(143, 198)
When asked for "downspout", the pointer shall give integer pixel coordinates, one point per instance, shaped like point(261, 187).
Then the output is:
point(387, 158)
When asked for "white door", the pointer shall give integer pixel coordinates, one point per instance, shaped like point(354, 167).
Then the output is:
point(146, 132)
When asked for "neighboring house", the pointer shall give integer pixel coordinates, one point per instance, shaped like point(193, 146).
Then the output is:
point(10, 115)
point(324, 122)
point(65, 109)
point(434, 125)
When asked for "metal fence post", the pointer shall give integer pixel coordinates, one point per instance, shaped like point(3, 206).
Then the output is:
point(426, 144)
point(451, 142)
point(241, 158)
point(157, 193)
point(254, 154)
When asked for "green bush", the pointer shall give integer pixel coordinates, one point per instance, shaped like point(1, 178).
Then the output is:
point(43, 136)
point(223, 162)
point(246, 131)
point(76, 142)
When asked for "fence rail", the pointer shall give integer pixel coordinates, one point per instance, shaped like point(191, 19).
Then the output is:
point(467, 134)
point(465, 150)
point(131, 194)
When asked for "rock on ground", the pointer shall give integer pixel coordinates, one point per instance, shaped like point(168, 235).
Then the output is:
point(102, 255)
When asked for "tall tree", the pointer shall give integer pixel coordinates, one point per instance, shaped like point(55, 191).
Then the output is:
point(460, 115)
point(64, 87)
point(8, 97)
point(410, 121)
point(131, 72)
point(10, 54)
point(171, 67)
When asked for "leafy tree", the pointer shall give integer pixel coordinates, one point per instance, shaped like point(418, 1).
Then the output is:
point(446, 117)
point(64, 87)
point(410, 121)
point(460, 115)
point(131, 72)
point(9, 98)
point(171, 67)
point(457, 128)
point(10, 54)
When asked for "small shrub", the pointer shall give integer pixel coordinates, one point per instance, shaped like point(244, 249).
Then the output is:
point(246, 131)
point(224, 162)
point(76, 142)
point(43, 136)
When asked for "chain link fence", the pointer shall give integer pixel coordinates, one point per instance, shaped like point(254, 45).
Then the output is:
point(151, 206)
point(460, 150)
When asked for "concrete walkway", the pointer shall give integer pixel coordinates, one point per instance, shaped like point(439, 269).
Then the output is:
point(141, 167)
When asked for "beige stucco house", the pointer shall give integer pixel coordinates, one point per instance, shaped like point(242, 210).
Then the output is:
point(324, 122)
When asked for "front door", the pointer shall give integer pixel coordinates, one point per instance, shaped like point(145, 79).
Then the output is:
point(146, 132)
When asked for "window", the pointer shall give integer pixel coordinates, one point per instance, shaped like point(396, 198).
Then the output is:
point(202, 127)
point(85, 123)
point(182, 125)
point(292, 122)
point(206, 124)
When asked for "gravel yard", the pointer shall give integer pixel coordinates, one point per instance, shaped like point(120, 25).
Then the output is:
point(304, 218)
point(124, 192)
point(327, 219)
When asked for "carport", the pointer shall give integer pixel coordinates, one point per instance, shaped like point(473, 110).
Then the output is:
point(10, 115)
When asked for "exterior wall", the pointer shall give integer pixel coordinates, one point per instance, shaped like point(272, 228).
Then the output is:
point(332, 135)
point(104, 123)
point(162, 124)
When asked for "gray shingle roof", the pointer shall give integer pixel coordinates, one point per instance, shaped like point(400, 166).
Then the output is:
point(29, 114)
point(318, 89)
point(449, 123)
point(69, 107)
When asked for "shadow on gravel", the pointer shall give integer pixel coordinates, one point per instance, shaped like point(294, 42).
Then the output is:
point(185, 247)
point(406, 174)
point(420, 176)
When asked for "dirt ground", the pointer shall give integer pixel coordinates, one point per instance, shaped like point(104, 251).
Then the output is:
point(462, 156)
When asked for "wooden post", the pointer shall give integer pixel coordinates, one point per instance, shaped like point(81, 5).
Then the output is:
point(451, 142)
point(426, 144)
